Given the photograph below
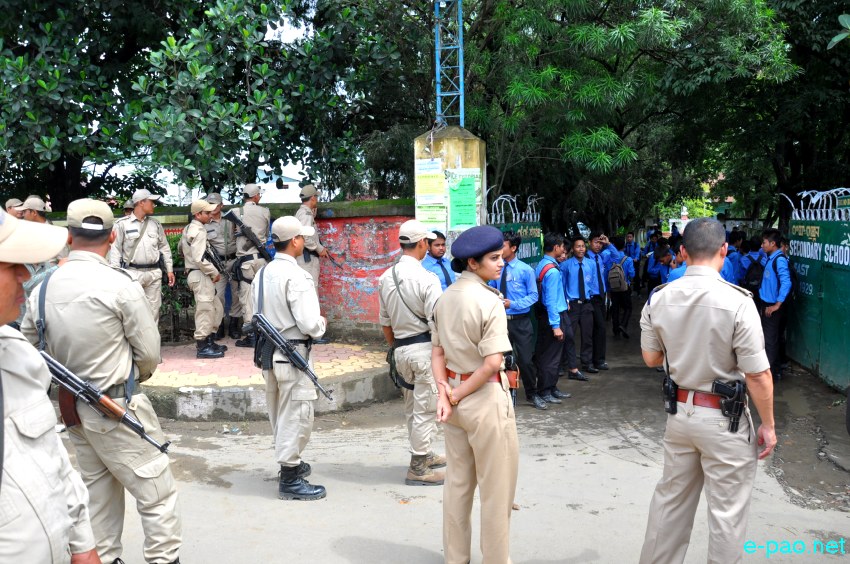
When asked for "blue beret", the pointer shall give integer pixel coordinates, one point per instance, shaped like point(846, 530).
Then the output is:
point(477, 241)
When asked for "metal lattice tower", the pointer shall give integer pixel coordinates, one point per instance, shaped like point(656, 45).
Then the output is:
point(448, 40)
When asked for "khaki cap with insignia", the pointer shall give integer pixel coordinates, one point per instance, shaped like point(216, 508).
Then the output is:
point(202, 206)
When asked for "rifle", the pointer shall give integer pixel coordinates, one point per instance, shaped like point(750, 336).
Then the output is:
point(333, 260)
point(262, 324)
point(97, 400)
point(216, 261)
point(248, 234)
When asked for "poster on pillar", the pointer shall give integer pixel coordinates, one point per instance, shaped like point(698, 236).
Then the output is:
point(464, 188)
point(430, 190)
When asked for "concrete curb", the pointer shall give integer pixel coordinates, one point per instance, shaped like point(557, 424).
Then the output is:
point(249, 402)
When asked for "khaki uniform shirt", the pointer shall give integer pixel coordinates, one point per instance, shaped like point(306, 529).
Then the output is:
point(98, 322)
point(221, 235)
point(471, 323)
point(127, 232)
point(708, 329)
point(290, 302)
point(256, 218)
point(36, 467)
point(419, 289)
point(194, 245)
point(306, 217)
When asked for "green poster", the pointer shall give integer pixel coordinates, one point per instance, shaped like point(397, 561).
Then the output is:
point(463, 193)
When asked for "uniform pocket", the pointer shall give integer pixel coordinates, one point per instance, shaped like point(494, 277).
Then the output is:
point(304, 390)
point(35, 426)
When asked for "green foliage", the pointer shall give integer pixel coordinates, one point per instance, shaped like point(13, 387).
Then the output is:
point(844, 20)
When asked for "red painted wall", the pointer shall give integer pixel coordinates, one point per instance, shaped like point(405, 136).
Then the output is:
point(365, 247)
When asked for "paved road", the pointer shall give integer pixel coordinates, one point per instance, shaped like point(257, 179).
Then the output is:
point(587, 472)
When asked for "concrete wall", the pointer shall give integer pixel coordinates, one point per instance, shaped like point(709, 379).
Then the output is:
point(363, 238)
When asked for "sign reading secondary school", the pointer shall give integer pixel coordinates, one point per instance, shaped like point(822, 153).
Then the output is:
point(806, 242)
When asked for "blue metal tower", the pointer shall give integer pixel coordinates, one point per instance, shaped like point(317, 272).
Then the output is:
point(448, 40)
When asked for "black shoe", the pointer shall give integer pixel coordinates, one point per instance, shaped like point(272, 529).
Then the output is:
point(235, 328)
point(602, 366)
point(590, 369)
point(561, 395)
point(623, 331)
point(220, 333)
point(205, 350)
point(293, 486)
point(577, 375)
point(302, 470)
point(549, 398)
point(211, 340)
point(247, 342)
point(537, 402)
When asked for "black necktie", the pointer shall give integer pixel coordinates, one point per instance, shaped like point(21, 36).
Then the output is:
point(503, 285)
point(445, 272)
point(581, 291)
point(599, 276)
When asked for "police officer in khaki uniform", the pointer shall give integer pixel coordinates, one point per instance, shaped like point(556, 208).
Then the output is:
point(139, 242)
point(314, 250)
point(99, 325)
point(49, 519)
point(406, 295)
point(285, 294)
point(128, 207)
point(705, 329)
point(475, 403)
point(202, 276)
point(221, 235)
point(255, 218)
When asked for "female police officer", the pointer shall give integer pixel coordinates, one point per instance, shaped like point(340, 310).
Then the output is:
point(471, 333)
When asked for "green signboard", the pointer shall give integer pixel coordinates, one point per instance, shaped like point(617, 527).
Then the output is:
point(843, 201)
point(531, 249)
point(818, 327)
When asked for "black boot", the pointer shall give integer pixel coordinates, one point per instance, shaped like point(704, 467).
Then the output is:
point(294, 486)
point(235, 329)
point(206, 350)
point(211, 339)
point(248, 341)
point(220, 333)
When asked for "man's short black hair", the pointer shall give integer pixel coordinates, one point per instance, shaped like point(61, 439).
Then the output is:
point(512, 238)
point(619, 242)
point(576, 239)
point(736, 237)
point(552, 240)
point(774, 235)
point(281, 246)
point(654, 234)
point(439, 235)
point(632, 233)
point(595, 234)
point(703, 238)
point(410, 246)
point(661, 251)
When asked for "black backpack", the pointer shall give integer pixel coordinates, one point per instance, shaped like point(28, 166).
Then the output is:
point(753, 276)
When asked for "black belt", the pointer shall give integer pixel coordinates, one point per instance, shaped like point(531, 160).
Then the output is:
point(517, 316)
point(119, 391)
point(144, 266)
point(305, 342)
point(579, 301)
point(420, 338)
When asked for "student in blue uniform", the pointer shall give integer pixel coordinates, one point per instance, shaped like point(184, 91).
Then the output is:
point(775, 288)
point(436, 261)
point(601, 255)
point(518, 287)
point(751, 252)
point(580, 283)
point(553, 326)
point(621, 302)
point(681, 266)
point(633, 251)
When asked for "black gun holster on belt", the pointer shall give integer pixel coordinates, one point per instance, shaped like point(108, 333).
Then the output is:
point(669, 388)
point(397, 379)
point(734, 394)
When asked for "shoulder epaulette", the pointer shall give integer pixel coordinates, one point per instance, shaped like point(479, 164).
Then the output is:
point(742, 290)
point(652, 293)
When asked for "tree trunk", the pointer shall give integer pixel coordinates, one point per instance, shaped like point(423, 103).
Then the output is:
point(65, 182)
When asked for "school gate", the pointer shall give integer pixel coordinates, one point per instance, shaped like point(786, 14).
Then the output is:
point(818, 334)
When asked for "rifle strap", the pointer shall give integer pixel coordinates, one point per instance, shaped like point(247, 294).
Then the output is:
point(401, 297)
point(138, 240)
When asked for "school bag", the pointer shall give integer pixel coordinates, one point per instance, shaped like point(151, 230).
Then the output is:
point(617, 281)
point(753, 276)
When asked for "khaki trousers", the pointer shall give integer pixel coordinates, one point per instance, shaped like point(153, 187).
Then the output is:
point(221, 287)
point(111, 458)
point(246, 298)
point(413, 363)
point(151, 281)
point(208, 310)
point(290, 396)
point(481, 449)
point(700, 453)
point(314, 267)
